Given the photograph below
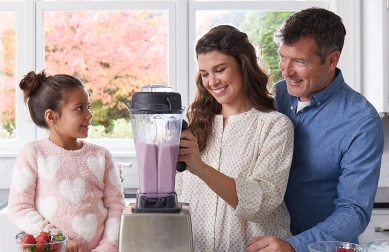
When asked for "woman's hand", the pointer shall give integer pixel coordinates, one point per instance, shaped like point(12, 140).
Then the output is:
point(268, 243)
point(73, 246)
point(189, 153)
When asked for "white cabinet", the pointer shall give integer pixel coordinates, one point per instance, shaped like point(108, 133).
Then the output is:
point(375, 41)
point(378, 227)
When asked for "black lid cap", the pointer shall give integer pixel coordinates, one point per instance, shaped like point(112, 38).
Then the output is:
point(155, 103)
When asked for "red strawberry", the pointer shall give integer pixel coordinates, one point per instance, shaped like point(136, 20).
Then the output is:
point(42, 246)
point(42, 237)
point(27, 239)
point(346, 250)
point(55, 247)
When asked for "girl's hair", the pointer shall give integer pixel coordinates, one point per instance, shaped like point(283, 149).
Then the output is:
point(43, 92)
point(230, 41)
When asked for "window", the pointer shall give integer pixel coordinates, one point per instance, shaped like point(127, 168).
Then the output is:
point(116, 47)
point(114, 52)
point(7, 74)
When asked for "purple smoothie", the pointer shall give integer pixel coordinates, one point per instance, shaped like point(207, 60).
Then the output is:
point(157, 167)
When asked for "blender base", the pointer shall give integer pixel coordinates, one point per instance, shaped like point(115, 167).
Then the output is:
point(154, 203)
point(144, 232)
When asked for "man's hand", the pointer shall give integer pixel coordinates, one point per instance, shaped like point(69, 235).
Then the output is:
point(268, 244)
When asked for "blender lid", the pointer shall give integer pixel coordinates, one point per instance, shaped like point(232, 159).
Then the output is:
point(158, 99)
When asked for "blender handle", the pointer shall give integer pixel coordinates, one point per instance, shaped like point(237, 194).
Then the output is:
point(181, 166)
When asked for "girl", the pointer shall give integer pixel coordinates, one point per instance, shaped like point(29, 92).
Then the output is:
point(61, 183)
point(238, 149)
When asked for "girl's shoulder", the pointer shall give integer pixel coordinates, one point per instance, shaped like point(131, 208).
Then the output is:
point(36, 144)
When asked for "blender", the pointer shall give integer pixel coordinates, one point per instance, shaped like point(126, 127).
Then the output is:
point(156, 221)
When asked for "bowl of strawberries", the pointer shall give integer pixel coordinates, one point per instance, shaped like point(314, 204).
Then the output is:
point(42, 242)
point(334, 246)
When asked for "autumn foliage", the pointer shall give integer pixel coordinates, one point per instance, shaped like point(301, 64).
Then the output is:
point(114, 53)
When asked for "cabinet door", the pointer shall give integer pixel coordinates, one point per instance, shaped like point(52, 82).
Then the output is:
point(380, 221)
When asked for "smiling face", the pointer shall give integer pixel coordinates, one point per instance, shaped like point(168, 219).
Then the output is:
point(301, 66)
point(74, 119)
point(221, 76)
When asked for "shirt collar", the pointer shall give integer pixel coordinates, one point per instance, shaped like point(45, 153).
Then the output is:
point(329, 91)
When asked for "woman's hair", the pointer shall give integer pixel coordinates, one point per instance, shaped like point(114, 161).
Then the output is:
point(43, 92)
point(324, 26)
point(230, 41)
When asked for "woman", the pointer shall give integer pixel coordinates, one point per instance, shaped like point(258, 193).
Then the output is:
point(237, 148)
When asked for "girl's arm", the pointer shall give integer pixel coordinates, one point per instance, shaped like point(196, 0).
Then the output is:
point(114, 202)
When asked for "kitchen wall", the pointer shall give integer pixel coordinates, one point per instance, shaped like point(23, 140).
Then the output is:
point(130, 174)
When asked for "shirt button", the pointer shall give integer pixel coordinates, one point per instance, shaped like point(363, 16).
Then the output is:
point(318, 104)
point(291, 107)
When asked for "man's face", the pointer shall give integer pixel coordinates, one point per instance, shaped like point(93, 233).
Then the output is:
point(303, 70)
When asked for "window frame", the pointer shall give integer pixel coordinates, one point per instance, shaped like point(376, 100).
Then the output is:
point(181, 62)
point(25, 129)
point(117, 146)
point(239, 5)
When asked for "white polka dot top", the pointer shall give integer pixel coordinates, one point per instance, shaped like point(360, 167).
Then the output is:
point(254, 148)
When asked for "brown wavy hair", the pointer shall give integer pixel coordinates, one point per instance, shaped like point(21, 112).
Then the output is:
point(230, 41)
point(42, 92)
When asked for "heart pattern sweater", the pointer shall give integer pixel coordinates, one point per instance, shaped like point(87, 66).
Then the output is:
point(76, 192)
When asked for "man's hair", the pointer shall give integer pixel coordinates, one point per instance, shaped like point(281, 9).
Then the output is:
point(324, 26)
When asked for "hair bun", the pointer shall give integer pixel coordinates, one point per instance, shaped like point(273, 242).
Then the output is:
point(31, 83)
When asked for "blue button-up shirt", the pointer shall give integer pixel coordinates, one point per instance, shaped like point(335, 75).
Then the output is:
point(336, 163)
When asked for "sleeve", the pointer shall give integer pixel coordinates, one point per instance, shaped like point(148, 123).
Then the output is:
point(360, 169)
point(114, 202)
point(263, 191)
point(22, 210)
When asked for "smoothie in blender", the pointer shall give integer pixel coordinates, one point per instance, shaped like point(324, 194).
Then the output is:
point(158, 162)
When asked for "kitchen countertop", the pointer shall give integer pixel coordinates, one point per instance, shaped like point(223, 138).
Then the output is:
point(381, 199)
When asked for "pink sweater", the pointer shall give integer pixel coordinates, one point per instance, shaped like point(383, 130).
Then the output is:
point(78, 192)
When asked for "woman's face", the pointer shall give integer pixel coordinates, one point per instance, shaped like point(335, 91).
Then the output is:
point(221, 76)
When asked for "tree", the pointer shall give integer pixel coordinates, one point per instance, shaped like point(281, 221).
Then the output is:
point(113, 53)
point(7, 82)
point(260, 27)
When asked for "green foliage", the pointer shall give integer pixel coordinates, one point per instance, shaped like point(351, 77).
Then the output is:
point(97, 131)
point(260, 27)
point(7, 130)
point(7, 133)
point(121, 129)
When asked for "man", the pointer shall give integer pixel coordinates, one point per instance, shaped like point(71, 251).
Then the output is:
point(338, 137)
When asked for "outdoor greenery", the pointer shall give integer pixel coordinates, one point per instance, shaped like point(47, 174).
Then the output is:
point(116, 53)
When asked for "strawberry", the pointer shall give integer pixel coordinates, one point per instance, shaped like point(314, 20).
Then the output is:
point(27, 239)
point(346, 250)
point(42, 246)
point(42, 237)
point(55, 247)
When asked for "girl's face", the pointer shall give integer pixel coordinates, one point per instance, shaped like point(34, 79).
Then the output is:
point(75, 115)
point(221, 76)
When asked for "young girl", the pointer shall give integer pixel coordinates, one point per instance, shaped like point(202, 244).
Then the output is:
point(61, 183)
point(238, 149)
